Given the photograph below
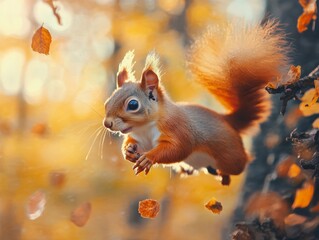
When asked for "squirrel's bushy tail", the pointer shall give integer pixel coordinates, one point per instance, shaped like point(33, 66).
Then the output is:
point(235, 62)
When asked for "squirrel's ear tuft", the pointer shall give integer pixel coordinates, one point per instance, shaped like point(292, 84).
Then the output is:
point(125, 71)
point(151, 72)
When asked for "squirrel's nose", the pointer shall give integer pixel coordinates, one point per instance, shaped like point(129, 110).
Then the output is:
point(107, 124)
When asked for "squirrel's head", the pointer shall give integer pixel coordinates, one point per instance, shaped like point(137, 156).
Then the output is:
point(134, 103)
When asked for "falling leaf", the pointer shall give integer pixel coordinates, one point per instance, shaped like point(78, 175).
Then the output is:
point(315, 124)
point(294, 171)
point(39, 129)
point(81, 214)
point(41, 41)
point(35, 205)
point(54, 9)
point(57, 179)
point(148, 208)
point(303, 195)
point(309, 13)
point(214, 206)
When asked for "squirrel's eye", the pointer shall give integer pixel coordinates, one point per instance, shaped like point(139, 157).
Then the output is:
point(132, 105)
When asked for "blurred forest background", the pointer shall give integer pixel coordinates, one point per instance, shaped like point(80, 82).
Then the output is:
point(51, 107)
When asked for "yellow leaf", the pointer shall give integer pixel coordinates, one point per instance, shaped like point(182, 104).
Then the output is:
point(315, 124)
point(303, 195)
point(309, 13)
point(294, 171)
point(214, 206)
point(305, 106)
point(41, 41)
point(316, 94)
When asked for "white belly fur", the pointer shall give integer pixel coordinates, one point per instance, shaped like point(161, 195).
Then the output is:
point(196, 161)
point(146, 136)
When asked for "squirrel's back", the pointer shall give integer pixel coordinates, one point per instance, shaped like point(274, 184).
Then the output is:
point(235, 62)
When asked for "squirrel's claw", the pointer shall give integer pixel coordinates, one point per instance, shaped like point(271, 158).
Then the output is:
point(131, 153)
point(143, 163)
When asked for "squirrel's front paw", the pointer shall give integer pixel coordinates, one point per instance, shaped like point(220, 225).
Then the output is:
point(131, 153)
point(143, 163)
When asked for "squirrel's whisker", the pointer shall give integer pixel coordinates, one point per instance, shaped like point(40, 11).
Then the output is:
point(98, 131)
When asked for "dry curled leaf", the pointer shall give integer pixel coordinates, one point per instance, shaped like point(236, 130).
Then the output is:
point(309, 14)
point(214, 206)
point(293, 74)
point(81, 214)
point(304, 195)
point(41, 41)
point(148, 208)
point(35, 205)
point(54, 9)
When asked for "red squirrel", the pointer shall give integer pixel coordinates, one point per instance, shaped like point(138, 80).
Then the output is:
point(234, 63)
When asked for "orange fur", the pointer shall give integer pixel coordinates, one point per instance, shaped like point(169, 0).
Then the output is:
point(235, 62)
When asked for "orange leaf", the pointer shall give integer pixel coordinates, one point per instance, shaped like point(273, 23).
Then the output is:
point(315, 208)
point(303, 195)
point(57, 179)
point(271, 85)
point(35, 205)
point(39, 129)
point(294, 171)
point(148, 208)
point(54, 9)
point(294, 74)
point(81, 214)
point(309, 13)
point(214, 206)
point(41, 41)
